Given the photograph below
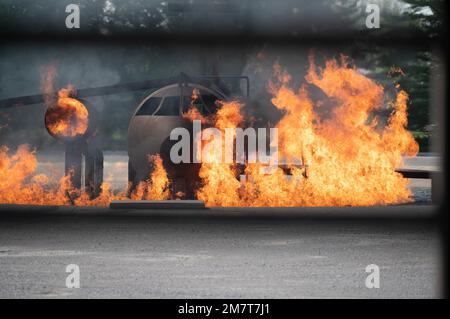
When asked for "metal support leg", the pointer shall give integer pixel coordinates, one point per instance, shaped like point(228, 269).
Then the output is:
point(72, 167)
point(93, 172)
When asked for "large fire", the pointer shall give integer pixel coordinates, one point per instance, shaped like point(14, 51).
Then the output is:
point(347, 158)
point(348, 155)
point(19, 184)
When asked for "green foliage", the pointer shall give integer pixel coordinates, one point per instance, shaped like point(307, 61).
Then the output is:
point(422, 17)
point(423, 138)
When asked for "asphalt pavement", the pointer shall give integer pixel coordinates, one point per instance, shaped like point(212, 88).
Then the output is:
point(303, 252)
point(220, 253)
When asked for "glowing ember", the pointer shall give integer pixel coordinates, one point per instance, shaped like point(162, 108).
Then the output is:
point(68, 118)
point(193, 112)
point(195, 95)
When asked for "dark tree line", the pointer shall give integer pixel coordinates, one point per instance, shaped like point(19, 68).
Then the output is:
point(418, 18)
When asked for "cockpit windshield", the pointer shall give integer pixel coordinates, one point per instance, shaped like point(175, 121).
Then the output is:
point(202, 100)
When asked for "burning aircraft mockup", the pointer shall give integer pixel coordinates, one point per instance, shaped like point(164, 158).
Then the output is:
point(348, 157)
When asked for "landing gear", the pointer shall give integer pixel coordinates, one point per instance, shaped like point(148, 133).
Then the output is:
point(131, 179)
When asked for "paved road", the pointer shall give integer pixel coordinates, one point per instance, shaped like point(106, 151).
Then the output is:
point(219, 253)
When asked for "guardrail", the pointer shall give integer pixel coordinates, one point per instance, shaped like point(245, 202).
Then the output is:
point(435, 177)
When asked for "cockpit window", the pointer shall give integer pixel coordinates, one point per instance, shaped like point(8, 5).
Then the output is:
point(210, 102)
point(170, 106)
point(150, 106)
point(187, 103)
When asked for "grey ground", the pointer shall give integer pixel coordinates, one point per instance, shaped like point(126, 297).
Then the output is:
point(220, 253)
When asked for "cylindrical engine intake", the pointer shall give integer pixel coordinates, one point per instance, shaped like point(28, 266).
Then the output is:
point(71, 120)
point(74, 123)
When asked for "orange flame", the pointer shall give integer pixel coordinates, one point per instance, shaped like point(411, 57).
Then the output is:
point(65, 117)
point(347, 156)
point(157, 188)
point(20, 184)
point(349, 161)
point(68, 117)
point(195, 95)
point(194, 114)
point(216, 175)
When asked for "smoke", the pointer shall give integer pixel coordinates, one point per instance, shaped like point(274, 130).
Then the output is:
point(260, 70)
point(87, 64)
point(84, 65)
point(23, 68)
